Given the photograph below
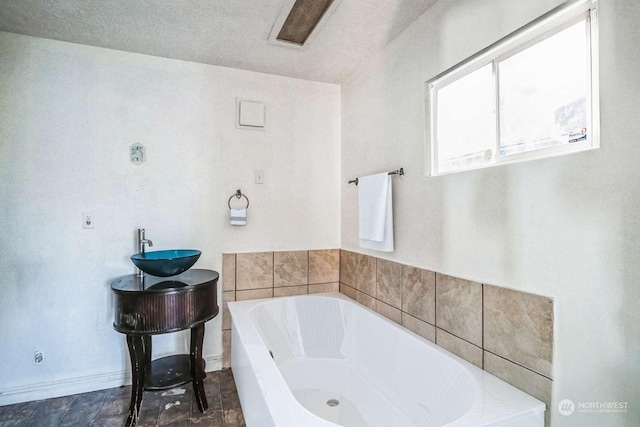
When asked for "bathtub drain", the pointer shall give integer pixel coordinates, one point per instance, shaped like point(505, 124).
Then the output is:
point(333, 402)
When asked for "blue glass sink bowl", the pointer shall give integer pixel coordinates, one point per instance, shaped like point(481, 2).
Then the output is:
point(166, 263)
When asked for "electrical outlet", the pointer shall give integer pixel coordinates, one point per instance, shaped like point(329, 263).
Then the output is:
point(88, 220)
point(38, 357)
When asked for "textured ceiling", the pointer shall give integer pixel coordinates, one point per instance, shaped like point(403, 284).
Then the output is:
point(230, 33)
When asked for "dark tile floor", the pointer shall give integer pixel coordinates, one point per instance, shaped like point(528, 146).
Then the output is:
point(106, 408)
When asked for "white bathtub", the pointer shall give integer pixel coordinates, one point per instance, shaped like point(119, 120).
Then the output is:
point(326, 346)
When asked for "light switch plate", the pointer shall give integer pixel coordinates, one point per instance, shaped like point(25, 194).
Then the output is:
point(259, 176)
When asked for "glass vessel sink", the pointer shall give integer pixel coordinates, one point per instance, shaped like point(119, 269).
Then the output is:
point(166, 263)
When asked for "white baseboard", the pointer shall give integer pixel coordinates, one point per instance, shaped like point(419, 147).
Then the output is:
point(69, 386)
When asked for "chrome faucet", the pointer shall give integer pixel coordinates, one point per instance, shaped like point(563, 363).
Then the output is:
point(142, 241)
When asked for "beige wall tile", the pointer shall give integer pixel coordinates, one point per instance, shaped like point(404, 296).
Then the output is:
point(419, 293)
point(366, 300)
point(254, 294)
point(290, 291)
point(324, 287)
point(419, 327)
point(348, 291)
point(389, 282)
point(290, 268)
point(226, 349)
point(366, 274)
point(459, 307)
point(226, 316)
point(519, 327)
point(348, 266)
point(324, 266)
point(228, 272)
point(528, 381)
point(389, 312)
point(254, 270)
point(459, 347)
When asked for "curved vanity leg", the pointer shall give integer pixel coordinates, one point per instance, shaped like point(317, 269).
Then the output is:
point(197, 370)
point(147, 349)
point(146, 362)
point(136, 346)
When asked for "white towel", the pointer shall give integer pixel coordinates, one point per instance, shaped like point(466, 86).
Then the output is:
point(375, 212)
point(238, 216)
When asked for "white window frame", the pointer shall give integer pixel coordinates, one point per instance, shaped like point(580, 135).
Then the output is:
point(532, 33)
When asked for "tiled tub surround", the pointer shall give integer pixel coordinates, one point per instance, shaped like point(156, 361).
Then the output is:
point(257, 275)
point(506, 332)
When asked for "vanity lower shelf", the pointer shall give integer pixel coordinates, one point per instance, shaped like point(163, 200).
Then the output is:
point(168, 372)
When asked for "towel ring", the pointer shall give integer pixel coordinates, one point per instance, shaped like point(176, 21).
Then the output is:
point(238, 195)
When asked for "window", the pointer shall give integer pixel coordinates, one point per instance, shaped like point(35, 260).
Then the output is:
point(529, 96)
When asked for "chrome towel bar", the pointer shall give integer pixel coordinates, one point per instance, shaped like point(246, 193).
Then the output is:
point(399, 172)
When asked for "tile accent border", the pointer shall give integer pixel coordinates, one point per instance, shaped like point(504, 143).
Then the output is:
point(503, 331)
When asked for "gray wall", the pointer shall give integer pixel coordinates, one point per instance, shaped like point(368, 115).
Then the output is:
point(68, 115)
point(565, 227)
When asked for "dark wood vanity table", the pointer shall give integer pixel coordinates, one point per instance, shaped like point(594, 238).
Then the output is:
point(149, 305)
